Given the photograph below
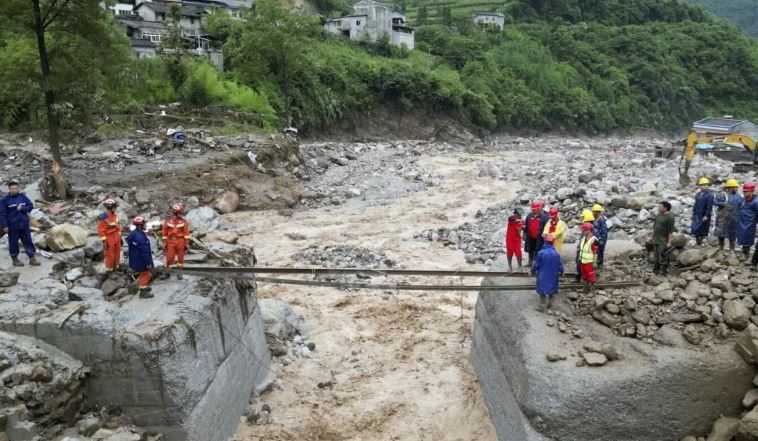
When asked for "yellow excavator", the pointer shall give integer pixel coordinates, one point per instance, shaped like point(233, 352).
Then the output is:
point(720, 145)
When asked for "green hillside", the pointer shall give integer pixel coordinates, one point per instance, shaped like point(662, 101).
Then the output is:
point(743, 13)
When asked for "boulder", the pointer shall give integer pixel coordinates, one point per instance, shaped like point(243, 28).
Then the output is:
point(749, 424)
point(227, 202)
point(203, 219)
point(747, 344)
point(66, 237)
point(721, 281)
point(279, 320)
point(602, 348)
point(80, 293)
point(736, 314)
point(229, 237)
point(692, 335)
point(490, 170)
point(691, 257)
point(724, 429)
point(618, 203)
point(94, 248)
point(750, 398)
point(142, 197)
point(595, 359)
point(8, 278)
point(678, 240)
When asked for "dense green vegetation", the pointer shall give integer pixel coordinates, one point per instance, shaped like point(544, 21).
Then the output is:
point(590, 65)
point(743, 13)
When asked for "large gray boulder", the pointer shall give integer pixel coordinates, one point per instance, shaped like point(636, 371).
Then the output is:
point(203, 219)
point(66, 237)
point(647, 395)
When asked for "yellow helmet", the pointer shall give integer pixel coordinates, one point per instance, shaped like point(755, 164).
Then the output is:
point(597, 207)
point(703, 181)
point(731, 183)
point(587, 216)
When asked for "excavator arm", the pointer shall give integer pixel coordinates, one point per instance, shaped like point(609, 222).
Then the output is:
point(692, 141)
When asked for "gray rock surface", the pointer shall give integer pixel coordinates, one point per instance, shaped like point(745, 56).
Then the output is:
point(528, 401)
point(203, 219)
point(65, 237)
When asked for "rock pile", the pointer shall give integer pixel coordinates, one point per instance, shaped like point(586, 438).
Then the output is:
point(343, 256)
point(41, 388)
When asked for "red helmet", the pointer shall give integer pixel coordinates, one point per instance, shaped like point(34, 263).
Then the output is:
point(110, 203)
point(586, 226)
point(177, 208)
point(553, 212)
point(536, 205)
point(748, 186)
point(139, 221)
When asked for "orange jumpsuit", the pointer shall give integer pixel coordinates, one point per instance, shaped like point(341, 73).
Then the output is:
point(175, 232)
point(109, 231)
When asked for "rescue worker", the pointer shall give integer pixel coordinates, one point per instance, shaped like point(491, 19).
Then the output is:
point(534, 224)
point(728, 214)
point(702, 211)
point(600, 231)
point(548, 268)
point(109, 232)
point(588, 250)
point(140, 256)
point(175, 232)
point(14, 220)
point(555, 227)
point(513, 238)
point(748, 220)
point(663, 232)
point(587, 217)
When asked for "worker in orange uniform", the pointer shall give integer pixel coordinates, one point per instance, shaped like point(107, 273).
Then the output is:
point(140, 256)
point(176, 231)
point(109, 232)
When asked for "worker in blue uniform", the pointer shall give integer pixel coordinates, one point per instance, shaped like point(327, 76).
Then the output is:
point(14, 220)
point(702, 211)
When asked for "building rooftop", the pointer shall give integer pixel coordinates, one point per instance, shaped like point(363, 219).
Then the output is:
point(165, 9)
point(490, 14)
point(724, 123)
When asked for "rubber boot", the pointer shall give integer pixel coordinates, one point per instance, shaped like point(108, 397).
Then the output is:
point(721, 244)
point(549, 304)
point(541, 306)
point(699, 240)
point(179, 276)
point(746, 252)
point(33, 261)
point(586, 286)
point(519, 263)
point(592, 289)
point(731, 245)
point(657, 268)
point(754, 261)
point(664, 269)
point(145, 293)
point(17, 262)
point(510, 263)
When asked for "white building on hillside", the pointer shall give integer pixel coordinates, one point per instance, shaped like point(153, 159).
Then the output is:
point(489, 18)
point(371, 20)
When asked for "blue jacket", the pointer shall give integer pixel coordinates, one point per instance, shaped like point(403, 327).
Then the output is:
point(140, 255)
point(727, 216)
point(703, 207)
point(748, 221)
point(600, 230)
point(548, 267)
point(544, 219)
point(10, 216)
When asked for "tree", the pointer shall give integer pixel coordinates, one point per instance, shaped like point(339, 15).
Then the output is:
point(76, 30)
point(447, 16)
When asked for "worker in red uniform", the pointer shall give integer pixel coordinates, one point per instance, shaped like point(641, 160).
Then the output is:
point(587, 248)
point(176, 231)
point(513, 238)
point(109, 232)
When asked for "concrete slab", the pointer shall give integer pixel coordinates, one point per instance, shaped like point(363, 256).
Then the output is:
point(650, 394)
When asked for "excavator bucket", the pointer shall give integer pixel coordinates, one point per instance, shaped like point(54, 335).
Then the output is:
point(684, 180)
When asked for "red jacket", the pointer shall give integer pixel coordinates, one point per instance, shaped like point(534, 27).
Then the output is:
point(513, 233)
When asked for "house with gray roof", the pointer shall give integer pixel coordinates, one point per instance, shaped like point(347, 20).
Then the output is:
point(369, 21)
point(489, 19)
point(726, 126)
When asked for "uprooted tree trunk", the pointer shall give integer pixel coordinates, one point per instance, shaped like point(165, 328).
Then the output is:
point(59, 179)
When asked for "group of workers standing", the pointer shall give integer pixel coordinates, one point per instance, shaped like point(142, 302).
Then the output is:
point(543, 237)
point(14, 221)
point(175, 237)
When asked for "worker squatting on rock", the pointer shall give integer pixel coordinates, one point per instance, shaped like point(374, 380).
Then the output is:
point(548, 268)
point(663, 232)
point(534, 224)
point(727, 205)
point(513, 238)
point(702, 211)
point(109, 232)
point(176, 232)
point(14, 220)
point(140, 256)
